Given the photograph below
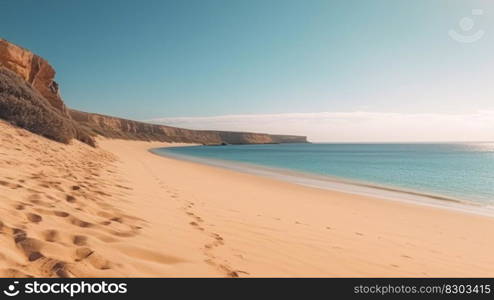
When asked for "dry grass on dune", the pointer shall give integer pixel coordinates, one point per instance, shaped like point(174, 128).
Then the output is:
point(23, 106)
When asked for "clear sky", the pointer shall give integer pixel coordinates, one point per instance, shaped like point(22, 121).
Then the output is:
point(300, 64)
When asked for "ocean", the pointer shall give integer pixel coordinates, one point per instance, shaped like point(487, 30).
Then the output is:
point(446, 171)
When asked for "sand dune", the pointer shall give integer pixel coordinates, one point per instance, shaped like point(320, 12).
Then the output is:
point(118, 210)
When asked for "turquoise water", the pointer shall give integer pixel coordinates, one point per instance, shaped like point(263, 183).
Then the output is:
point(463, 171)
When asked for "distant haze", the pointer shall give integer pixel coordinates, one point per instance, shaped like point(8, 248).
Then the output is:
point(357, 126)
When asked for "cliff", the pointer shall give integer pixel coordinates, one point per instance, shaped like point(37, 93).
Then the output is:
point(33, 69)
point(30, 98)
point(127, 129)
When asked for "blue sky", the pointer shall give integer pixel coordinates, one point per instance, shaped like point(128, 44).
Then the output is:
point(167, 59)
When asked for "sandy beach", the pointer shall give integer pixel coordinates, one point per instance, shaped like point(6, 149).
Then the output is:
point(119, 210)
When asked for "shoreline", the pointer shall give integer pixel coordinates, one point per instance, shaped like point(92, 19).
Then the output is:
point(344, 185)
point(120, 211)
point(278, 228)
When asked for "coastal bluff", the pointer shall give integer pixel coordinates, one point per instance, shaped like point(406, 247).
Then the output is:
point(113, 127)
point(30, 98)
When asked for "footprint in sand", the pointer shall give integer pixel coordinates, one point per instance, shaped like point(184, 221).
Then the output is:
point(61, 214)
point(79, 240)
point(77, 222)
point(19, 206)
point(35, 199)
point(50, 267)
point(82, 253)
point(197, 226)
point(70, 198)
point(35, 256)
point(18, 235)
point(218, 237)
point(29, 246)
point(117, 219)
point(50, 235)
point(34, 218)
point(10, 185)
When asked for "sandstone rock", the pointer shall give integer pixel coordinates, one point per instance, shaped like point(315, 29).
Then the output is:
point(33, 69)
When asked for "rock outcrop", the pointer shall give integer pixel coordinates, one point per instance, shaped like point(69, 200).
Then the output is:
point(113, 127)
point(33, 69)
point(30, 98)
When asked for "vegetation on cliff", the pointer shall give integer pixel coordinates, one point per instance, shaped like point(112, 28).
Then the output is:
point(25, 107)
point(30, 98)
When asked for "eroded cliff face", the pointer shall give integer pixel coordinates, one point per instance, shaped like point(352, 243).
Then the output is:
point(30, 98)
point(33, 69)
point(121, 128)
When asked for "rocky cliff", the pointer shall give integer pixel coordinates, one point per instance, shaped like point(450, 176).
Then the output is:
point(30, 98)
point(127, 129)
point(33, 69)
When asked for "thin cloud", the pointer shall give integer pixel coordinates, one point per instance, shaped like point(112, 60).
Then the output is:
point(359, 126)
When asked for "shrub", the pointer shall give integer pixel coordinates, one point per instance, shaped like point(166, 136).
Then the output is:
point(23, 106)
